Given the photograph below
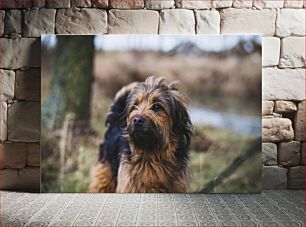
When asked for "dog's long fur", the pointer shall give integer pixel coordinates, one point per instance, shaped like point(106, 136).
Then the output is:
point(146, 144)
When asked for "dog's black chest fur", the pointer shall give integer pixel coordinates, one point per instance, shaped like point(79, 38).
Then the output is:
point(114, 141)
point(115, 144)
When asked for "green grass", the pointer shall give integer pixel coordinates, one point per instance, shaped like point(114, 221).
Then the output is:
point(79, 179)
point(225, 147)
point(212, 150)
point(77, 170)
point(80, 159)
point(204, 165)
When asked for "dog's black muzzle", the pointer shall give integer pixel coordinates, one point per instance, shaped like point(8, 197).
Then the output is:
point(143, 133)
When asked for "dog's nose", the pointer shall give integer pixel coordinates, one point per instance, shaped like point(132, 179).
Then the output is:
point(138, 120)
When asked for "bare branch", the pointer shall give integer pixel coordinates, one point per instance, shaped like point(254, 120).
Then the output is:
point(251, 151)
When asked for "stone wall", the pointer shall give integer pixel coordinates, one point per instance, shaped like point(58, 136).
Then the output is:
point(281, 22)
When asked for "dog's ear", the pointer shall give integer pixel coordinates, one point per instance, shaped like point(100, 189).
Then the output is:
point(124, 116)
point(119, 109)
point(181, 121)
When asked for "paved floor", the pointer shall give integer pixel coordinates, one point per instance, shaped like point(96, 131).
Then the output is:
point(270, 208)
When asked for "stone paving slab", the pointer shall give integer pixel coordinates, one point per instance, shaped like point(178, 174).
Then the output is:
point(270, 208)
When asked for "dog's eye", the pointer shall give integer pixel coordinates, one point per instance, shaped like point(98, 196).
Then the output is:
point(133, 107)
point(156, 108)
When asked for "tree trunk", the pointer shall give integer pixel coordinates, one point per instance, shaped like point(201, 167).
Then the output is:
point(70, 88)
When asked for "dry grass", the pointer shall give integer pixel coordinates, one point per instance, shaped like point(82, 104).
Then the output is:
point(208, 76)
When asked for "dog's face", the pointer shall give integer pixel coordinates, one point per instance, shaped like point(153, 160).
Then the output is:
point(156, 115)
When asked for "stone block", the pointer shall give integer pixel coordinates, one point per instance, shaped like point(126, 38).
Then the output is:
point(99, 3)
point(191, 4)
point(261, 4)
point(303, 160)
point(39, 21)
point(3, 121)
point(208, 22)
point(221, 3)
point(15, 4)
point(177, 21)
point(126, 4)
point(283, 84)
point(33, 158)
point(159, 4)
point(290, 22)
point(285, 106)
point(39, 3)
point(248, 21)
point(55, 4)
point(20, 53)
point(13, 155)
point(267, 108)
point(242, 4)
point(289, 153)
point(26, 179)
point(293, 4)
point(270, 51)
point(24, 122)
point(27, 86)
point(81, 21)
point(299, 122)
point(133, 21)
point(274, 177)
point(269, 154)
point(80, 3)
point(7, 81)
point(13, 21)
point(2, 15)
point(296, 177)
point(277, 129)
point(293, 52)
point(276, 115)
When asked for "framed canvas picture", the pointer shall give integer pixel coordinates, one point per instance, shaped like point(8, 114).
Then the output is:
point(151, 114)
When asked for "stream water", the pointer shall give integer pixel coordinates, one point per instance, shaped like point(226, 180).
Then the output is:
point(240, 124)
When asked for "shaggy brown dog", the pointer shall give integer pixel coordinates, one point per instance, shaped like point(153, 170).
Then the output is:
point(147, 141)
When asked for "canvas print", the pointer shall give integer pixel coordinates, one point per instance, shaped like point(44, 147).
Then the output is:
point(151, 114)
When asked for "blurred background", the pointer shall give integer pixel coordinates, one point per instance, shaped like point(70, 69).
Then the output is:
point(220, 75)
